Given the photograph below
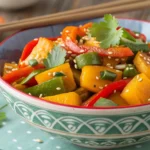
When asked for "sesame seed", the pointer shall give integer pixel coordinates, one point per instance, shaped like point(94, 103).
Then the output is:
point(106, 85)
point(141, 55)
point(115, 91)
point(127, 90)
point(8, 67)
point(67, 31)
point(80, 25)
point(117, 70)
point(97, 78)
point(49, 74)
point(38, 140)
point(81, 50)
point(111, 67)
point(148, 100)
point(73, 55)
point(131, 68)
point(110, 52)
point(84, 29)
point(67, 60)
point(140, 79)
point(69, 52)
point(81, 41)
point(100, 87)
point(29, 93)
point(109, 57)
point(144, 58)
point(54, 73)
point(124, 77)
point(74, 61)
point(60, 32)
point(148, 59)
point(68, 38)
point(108, 64)
point(117, 59)
point(127, 68)
point(58, 88)
point(76, 66)
point(13, 62)
point(40, 95)
point(148, 62)
point(14, 69)
point(137, 76)
point(129, 65)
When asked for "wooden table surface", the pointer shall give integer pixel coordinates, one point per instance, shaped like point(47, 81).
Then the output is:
point(52, 6)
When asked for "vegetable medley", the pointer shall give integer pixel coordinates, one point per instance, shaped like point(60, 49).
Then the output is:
point(91, 65)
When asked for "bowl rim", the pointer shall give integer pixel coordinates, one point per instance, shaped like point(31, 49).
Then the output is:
point(121, 110)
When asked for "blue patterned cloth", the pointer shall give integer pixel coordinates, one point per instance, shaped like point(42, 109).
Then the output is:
point(15, 134)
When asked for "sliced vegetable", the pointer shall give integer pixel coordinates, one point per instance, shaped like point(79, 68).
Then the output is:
point(59, 74)
point(108, 90)
point(103, 102)
point(70, 98)
point(48, 88)
point(33, 62)
point(106, 31)
point(31, 75)
point(128, 35)
point(84, 94)
point(90, 78)
point(108, 75)
point(68, 79)
point(137, 91)
point(19, 86)
point(91, 58)
point(142, 63)
point(130, 71)
point(55, 58)
point(116, 98)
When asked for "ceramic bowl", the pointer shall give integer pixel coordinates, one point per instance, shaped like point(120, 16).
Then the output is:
point(94, 128)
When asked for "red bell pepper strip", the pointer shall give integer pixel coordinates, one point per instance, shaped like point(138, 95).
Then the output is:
point(21, 72)
point(107, 91)
point(29, 47)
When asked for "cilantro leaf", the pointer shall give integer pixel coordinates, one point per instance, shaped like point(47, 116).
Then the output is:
point(106, 31)
point(55, 58)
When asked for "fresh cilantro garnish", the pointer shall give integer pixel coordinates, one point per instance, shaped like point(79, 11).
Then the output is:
point(2, 114)
point(55, 58)
point(106, 31)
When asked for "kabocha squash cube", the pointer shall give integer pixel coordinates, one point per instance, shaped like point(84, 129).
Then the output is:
point(137, 90)
point(115, 97)
point(68, 79)
point(70, 98)
point(40, 51)
point(142, 63)
point(90, 78)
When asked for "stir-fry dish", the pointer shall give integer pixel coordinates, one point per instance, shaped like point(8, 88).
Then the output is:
point(92, 65)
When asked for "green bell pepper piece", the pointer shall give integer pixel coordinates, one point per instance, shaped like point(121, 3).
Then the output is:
point(91, 58)
point(51, 87)
point(104, 103)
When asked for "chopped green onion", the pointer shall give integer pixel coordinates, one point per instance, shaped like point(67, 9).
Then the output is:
point(59, 74)
point(104, 103)
point(130, 71)
point(33, 62)
point(108, 75)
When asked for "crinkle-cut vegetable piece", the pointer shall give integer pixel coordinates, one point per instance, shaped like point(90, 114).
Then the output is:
point(68, 79)
point(70, 98)
point(137, 90)
point(90, 77)
point(115, 97)
point(142, 63)
point(41, 50)
point(48, 88)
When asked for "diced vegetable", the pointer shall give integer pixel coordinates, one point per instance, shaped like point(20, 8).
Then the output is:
point(108, 75)
point(33, 62)
point(137, 90)
point(91, 58)
point(48, 88)
point(107, 91)
point(90, 78)
point(103, 102)
point(142, 63)
point(84, 94)
point(68, 79)
point(130, 71)
point(40, 51)
point(115, 97)
point(70, 98)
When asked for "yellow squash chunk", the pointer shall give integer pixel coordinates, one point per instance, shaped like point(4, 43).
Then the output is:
point(68, 79)
point(115, 97)
point(41, 50)
point(70, 98)
point(90, 77)
point(92, 42)
point(137, 90)
point(8, 67)
point(141, 61)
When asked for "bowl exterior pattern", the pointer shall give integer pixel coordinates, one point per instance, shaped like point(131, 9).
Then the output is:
point(85, 130)
point(95, 131)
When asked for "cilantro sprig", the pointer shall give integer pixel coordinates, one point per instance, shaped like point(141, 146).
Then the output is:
point(55, 58)
point(106, 31)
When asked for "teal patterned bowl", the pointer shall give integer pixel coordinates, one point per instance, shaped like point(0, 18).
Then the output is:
point(94, 128)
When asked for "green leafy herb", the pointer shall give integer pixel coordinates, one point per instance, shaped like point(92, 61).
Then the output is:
point(55, 58)
point(33, 62)
point(106, 32)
